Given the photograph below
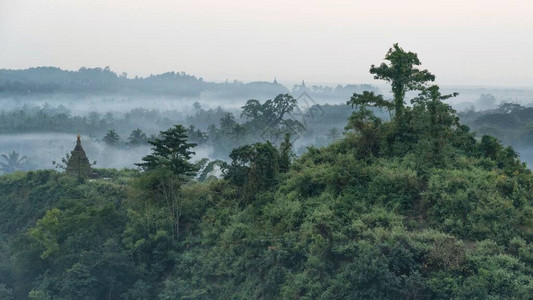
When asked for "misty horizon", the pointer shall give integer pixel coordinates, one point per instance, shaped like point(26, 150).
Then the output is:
point(233, 149)
point(282, 81)
point(473, 43)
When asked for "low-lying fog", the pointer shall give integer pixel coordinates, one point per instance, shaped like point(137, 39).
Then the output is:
point(153, 114)
point(84, 106)
point(44, 148)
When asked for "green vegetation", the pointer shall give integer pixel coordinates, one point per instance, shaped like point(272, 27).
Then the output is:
point(511, 123)
point(170, 151)
point(415, 207)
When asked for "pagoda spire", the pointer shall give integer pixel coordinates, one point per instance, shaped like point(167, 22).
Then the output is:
point(78, 164)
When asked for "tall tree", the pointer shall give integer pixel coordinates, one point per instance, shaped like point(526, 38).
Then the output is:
point(171, 150)
point(367, 125)
point(227, 123)
point(270, 118)
point(112, 138)
point(437, 119)
point(402, 73)
point(137, 137)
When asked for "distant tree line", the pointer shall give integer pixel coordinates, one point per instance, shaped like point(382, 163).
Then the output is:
point(103, 81)
point(510, 122)
point(95, 81)
point(32, 119)
point(222, 129)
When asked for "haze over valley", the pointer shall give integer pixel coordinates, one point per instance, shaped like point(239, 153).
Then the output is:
point(44, 108)
point(232, 149)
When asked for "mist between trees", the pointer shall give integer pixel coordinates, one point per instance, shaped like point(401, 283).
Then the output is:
point(45, 133)
point(407, 203)
point(44, 108)
point(119, 139)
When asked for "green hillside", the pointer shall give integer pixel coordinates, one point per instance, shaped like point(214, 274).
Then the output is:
point(413, 208)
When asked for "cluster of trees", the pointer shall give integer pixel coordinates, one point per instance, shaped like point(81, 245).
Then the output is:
point(48, 118)
point(414, 207)
point(510, 122)
point(136, 138)
point(317, 125)
point(270, 120)
point(218, 128)
point(214, 129)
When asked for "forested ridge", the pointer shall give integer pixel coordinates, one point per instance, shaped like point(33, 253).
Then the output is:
point(512, 123)
point(54, 82)
point(91, 81)
point(417, 207)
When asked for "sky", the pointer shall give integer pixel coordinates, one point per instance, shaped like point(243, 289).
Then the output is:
point(467, 43)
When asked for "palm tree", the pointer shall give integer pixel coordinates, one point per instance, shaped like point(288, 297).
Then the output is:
point(137, 137)
point(227, 122)
point(12, 162)
point(112, 138)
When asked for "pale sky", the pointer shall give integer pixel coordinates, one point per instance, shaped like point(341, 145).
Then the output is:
point(467, 42)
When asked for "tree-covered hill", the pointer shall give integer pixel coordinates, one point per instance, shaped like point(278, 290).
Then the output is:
point(48, 81)
point(511, 123)
point(412, 208)
point(97, 81)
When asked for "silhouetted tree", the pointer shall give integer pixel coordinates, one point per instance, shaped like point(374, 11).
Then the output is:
point(402, 74)
point(137, 137)
point(112, 138)
point(269, 118)
point(171, 150)
point(12, 162)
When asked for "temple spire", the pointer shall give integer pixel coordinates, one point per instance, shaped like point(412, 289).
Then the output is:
point(78, 164)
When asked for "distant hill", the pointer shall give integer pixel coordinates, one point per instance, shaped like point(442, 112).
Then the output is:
point(94, 81)
point(103, 81)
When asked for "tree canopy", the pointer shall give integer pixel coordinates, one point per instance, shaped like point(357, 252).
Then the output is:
point(171, 150)
point(403, 75)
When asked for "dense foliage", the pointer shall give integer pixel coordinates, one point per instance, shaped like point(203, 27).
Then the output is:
point(511, 123)
point(172, 151)
point(415, 207)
